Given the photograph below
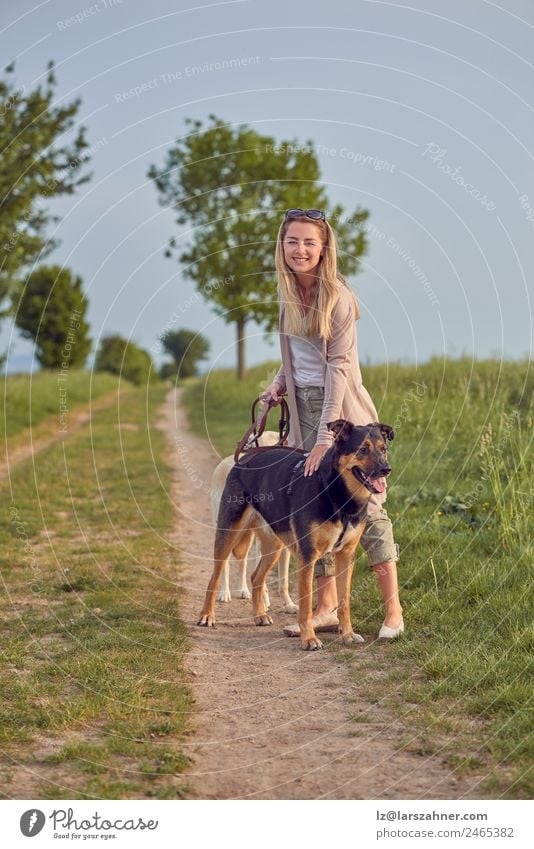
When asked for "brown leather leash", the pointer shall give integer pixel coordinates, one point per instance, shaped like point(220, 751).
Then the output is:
point(250, 441)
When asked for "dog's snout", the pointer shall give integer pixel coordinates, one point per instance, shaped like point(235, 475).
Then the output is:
point(385, 469)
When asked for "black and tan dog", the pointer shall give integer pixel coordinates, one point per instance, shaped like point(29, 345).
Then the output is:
point(313, 515)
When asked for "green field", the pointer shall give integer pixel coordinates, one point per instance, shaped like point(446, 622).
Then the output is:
point(460, 497)
point(94, 701)
point(28, 399)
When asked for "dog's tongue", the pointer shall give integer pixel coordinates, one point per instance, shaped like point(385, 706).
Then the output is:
point(379, 484)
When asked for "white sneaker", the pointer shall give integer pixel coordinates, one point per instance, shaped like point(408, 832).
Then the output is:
point(324, 622)
point(387, 633)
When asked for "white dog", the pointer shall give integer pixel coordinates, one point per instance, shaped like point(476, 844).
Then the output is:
point(242, 550)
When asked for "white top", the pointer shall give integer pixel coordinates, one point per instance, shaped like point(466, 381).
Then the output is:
point(307, 360)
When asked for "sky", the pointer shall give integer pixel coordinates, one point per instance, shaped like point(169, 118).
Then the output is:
point(419, 112)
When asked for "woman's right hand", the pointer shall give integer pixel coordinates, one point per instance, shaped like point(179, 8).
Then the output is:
point(273, 393)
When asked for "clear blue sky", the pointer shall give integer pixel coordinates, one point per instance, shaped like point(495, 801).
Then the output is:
point(421, 112)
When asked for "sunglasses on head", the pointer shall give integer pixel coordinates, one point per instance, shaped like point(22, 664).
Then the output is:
point(314, 214)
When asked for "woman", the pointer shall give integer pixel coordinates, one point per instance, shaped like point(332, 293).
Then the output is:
point(321, 375)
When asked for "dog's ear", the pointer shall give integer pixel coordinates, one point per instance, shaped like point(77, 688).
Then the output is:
point(386, 430)
point(340, 428)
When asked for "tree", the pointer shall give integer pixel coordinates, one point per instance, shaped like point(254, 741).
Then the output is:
point(167, 371)
point(51, 311)
point(119, 356)
point(231, 185)
point(186, 348)
point(34, 170)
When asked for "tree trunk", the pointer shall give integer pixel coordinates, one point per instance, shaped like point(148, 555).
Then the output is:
point(241, 370)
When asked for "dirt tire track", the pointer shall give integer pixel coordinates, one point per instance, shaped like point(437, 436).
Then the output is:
point(272, 722)
point(33, 440)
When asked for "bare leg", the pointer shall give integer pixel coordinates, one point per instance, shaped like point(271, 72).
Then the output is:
point(386, 574)
point(326, 595)
point(324, 616)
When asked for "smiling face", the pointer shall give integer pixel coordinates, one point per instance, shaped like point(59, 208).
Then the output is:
point(303, 247)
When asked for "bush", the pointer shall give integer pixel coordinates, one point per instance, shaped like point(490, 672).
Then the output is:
point(124, 358)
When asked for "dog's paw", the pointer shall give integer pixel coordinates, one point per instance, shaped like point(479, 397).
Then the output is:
point(224, 596)
point(290, 606)
point(265, 619)
point(244, 593)
point(207, 621)
point(311, 645)
point(351, 638)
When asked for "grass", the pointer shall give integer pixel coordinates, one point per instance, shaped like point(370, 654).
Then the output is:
point(28, 399)
point(219, 406)
point(460, 498)
point(94, 698)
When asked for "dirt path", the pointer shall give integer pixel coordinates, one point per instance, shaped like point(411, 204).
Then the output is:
point(272, 721)
point(33, 440)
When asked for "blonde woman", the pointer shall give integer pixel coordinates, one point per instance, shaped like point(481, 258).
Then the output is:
point(321, 374)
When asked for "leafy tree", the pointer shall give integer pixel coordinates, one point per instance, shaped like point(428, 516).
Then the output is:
point(35, 168)
point(119, 356)
point(168, 371)
point(51, 311)
point(231, 186)
point(186, 348)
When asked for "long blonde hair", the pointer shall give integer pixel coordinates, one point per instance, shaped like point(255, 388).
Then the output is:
point(325, 291)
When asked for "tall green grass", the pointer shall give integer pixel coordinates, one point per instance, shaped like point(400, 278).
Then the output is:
point(28, 399)
point(219, 405)
point(94, 698)
point(460, 497)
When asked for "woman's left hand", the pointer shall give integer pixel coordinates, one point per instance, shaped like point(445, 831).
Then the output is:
point(314, 459)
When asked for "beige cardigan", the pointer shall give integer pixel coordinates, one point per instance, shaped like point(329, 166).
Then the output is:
point(345, 395)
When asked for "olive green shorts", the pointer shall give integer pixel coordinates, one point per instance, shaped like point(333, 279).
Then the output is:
point(377, 538)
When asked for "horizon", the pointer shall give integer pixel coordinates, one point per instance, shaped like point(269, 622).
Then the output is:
point(425, 118)
point(365, 364)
